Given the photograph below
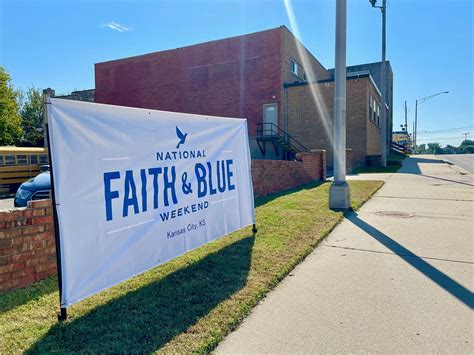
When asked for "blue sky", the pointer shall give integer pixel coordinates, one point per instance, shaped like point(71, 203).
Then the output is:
point(429, 43)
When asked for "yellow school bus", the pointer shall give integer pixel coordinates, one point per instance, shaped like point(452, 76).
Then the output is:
point(18, 164)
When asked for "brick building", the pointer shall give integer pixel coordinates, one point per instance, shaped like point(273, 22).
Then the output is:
point(375, 71)
point(267, 77)
point(310, 125)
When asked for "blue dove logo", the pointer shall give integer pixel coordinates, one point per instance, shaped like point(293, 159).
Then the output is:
point(182, 137)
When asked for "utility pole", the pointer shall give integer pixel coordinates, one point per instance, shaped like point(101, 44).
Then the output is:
point(415, 129)
point(465, 135)
point(406, 117)
point(418, 102)
point(339, 197)
point(406, 126)
point(383, 117)
point(384, 92)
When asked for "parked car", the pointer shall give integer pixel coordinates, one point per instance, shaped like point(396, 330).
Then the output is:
point(37, 188)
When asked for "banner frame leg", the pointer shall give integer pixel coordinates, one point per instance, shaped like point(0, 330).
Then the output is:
point(63, 311)
point(62, 316)
point(254, 228)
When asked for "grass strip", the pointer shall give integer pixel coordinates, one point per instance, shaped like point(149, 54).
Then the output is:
point(394, 162)
point(188, 304)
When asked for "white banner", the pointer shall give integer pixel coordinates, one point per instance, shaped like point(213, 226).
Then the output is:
point(135, 188)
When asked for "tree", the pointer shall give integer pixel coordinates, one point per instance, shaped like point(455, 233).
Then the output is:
point(466, 142)
point(420, 149)
point(467, 147)
point(435, 148)
point(10, 120)
point(450, 149)
point(32, 115)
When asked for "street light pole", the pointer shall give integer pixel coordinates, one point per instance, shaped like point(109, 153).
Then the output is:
point(339, 197)
point(383, 117)
point(420, 101)
point(406, 117)
point(384, 92)
point(416, 123)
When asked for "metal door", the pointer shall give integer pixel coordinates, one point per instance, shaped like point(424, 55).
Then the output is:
point(270, 119)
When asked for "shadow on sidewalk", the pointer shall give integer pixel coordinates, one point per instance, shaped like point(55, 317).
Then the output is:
point(411, 165)
point(453, 287)
point(448, 180)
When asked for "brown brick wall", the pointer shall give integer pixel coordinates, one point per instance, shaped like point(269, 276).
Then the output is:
point(349, 161)
point(232, 77)
point(373, 128)
point(308, 116)
point(27, 247)
point(314, 163)
point(81, 95)
point(294, 49)
point(306, 120)
point(271, 176)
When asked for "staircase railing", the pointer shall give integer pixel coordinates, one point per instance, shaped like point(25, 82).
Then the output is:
point(265, 130)
point(399, 148)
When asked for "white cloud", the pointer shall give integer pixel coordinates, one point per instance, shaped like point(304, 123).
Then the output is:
point(117, 26)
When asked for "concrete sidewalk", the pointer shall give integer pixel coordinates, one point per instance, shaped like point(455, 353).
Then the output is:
point(395, 277)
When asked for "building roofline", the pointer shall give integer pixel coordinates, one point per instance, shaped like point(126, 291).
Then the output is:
point(303, 83)
point(377, 62)
point(371, 63)
point(190, 45)
point(387, 62)
point(300, 42)
point(348, 77)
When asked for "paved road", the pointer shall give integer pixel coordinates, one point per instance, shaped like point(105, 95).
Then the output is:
point(465, 161)
point(395, 277)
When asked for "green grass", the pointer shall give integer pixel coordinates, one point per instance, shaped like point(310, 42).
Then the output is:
point(390, 168)
point(394, 162)
point(188, 304)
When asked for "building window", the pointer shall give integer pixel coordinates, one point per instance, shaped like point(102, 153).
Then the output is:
point(378, 115)
point(305, 78)
point(371, 107)
point(294, 67)
point(373, 111)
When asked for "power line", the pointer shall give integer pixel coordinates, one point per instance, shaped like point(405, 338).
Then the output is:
point(446, 130)
point(440, 139)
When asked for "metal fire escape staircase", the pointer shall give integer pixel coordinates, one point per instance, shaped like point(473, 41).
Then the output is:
point(280, 139)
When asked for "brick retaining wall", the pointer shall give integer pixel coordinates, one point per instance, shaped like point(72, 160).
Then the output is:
point(270, 176)
point(27, 246)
